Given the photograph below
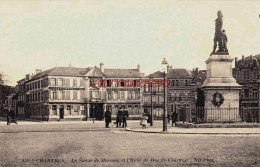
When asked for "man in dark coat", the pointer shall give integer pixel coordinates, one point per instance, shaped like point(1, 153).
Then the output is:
point(169, 117)
point(119, 118)
point(107, 117)
point(8, 115)
point(125, 116)
point(174, 118)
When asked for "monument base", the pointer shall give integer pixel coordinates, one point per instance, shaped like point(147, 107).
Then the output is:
point(226, 109)
point(221, 91)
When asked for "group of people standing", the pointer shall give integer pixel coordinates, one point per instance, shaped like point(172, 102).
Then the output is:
point(10, 116)
point(121, 117)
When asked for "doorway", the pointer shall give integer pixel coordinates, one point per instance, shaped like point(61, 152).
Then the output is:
point(96, 111)
point(61, 113)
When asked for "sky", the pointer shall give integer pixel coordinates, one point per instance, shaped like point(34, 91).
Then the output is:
point(42, 34)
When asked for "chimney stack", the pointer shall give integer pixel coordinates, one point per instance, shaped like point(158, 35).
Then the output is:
point(168, 67)
point(27, 77)
point(138, 67)
point(197, 70)
point(38, 71)
point(102, 67)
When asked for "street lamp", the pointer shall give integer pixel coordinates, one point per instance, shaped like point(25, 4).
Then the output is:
point(93, 113)
point(151, 121)
point(164, 108)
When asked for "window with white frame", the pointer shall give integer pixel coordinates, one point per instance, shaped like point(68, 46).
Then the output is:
point(53, 81)
point(60, 82)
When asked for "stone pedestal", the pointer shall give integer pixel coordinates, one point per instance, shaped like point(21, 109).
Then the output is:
point(221, 90)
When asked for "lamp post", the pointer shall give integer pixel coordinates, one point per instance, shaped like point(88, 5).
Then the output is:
point(164, 108)
point(86, 108)
point(93, 113)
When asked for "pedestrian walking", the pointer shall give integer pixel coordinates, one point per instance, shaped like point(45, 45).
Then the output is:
point(149, 118)
point(144, 121)
point(174, 118)
point(107, 117)
point(119, 118)
point(8, 115)
point(169, 117)
point(125, 116)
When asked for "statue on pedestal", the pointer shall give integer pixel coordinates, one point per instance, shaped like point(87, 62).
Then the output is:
point(220, 36)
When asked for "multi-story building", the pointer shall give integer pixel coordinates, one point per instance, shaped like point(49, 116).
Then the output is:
point(78, 93)
point(181, 91)
point(247, 74)
point(83, 93)
point(122, 90)
point(154, 93)
point(21, 98)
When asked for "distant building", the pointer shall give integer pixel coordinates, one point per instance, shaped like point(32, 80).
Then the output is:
point(247, 74)
point(21, 98)
point(127, 96)
point(181, 91)
point(154, 95)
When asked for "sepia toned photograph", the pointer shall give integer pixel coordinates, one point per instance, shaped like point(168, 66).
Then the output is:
point(129, 83)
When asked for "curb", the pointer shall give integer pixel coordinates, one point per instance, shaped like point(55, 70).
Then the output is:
point(190, 133)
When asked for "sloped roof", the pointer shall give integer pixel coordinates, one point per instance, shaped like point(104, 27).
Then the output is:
point(157, 74)
point(248, 62)
point(63, 71)
point(179, 73)
point(256, 56)
point(122, 73)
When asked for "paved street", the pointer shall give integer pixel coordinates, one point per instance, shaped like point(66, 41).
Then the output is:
point(88, 144)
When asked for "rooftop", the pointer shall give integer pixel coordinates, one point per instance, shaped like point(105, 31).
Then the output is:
point(179, 73)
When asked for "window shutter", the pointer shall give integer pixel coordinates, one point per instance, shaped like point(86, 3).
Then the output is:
point(81, 82)
point(63, 94)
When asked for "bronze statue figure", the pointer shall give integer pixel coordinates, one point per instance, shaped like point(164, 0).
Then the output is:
point(220, 35)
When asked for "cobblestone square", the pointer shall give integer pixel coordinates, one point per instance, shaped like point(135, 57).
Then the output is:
point(88, 144)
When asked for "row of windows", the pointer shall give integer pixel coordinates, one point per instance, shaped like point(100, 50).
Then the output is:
point(109, 83)
point(38, 96)
point(122, 95)
point(176, 95)
point(38, 110)
point(66, 94)
point(22, 98)
point(254, 93)
point(155, 99)
point(66, 82)
point(37, 84)
point(179, 82)
point(248, 74)
point(69, 107)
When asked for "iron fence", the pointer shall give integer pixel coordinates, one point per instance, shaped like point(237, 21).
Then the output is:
point(216, 114)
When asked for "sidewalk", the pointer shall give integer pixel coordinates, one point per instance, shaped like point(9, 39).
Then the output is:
point(25, 122)
point(208, 131)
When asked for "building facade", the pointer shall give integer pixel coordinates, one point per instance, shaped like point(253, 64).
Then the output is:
point(247, 74)
point(85, 93)
point(153, 95)
point(78, 93)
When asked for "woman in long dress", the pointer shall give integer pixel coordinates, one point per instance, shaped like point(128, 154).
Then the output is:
point(144, 121)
